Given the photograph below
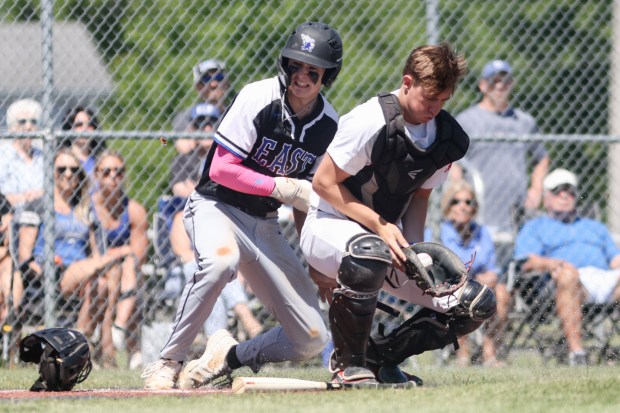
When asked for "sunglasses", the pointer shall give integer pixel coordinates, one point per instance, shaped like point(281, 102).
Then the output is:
point(106, 172)
point(501, 78)
point(206, 78)
point(26, 120)
point(569, 189)
point(60, 170)
point(468, 202)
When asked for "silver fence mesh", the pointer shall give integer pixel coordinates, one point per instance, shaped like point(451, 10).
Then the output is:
point(131, 64)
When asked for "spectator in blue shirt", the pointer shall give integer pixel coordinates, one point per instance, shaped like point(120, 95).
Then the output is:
point(471, 241)
point(578, 253)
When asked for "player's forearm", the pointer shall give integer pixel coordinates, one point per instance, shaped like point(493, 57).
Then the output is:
point(415, 216)
point(227, 170)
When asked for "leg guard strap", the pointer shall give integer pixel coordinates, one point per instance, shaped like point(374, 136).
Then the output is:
point(426, 330)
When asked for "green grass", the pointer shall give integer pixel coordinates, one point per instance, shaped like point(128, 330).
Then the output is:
point(526, 386)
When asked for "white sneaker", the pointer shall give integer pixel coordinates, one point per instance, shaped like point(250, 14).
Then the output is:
point(161, 374)
point(211, 365)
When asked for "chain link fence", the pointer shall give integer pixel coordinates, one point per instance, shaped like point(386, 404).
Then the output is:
point(130, 63)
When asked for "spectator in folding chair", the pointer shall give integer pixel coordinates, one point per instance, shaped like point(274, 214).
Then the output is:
point(123, 222)
point(21, 169)
point(83, 119)
point(460, 232)
point(578, 253)
point(21, 163)
point(185, 171)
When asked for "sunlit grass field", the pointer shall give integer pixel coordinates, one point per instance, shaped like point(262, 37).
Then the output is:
point(525, 385)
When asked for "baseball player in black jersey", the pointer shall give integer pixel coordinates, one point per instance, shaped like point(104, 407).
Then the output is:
point(264, 154)
point(374, 184)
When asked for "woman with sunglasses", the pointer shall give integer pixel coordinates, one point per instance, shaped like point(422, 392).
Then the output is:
point(82, 119)
point(472, 242)
point(124, 223)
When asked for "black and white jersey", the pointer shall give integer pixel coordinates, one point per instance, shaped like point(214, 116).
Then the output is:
point(352, 147)
point(260, 128)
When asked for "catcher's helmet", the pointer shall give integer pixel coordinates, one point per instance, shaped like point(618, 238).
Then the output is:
point(63, 357)
point(316, 44)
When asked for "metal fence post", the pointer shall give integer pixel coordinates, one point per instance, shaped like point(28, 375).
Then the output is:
point(49, 146)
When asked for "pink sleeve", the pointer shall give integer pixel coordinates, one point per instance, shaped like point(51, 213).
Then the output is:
point(226, 169)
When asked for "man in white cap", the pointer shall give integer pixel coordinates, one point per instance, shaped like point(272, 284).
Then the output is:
point(579, 254)
point(502, 167)
point(211, 84)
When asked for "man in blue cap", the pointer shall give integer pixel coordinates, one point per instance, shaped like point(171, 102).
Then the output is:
point(502, 166)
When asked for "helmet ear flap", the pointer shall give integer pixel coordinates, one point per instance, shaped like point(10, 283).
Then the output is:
point(283, 72)
point(330, 76)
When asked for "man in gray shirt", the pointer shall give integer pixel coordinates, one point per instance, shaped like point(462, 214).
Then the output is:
point(502, 166)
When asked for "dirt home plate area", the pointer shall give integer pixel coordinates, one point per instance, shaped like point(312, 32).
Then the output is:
point(102, 393)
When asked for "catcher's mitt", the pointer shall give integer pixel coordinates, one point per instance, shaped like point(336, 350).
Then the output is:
point(444, 276)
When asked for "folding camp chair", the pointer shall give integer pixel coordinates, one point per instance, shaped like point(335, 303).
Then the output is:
point(167, 282)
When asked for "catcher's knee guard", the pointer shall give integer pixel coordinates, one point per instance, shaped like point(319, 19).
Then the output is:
point(426, 330)
point(364, 264)
point(476, 301)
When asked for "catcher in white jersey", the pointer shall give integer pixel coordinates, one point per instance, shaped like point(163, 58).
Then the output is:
point(374, 185)
point(265, 151)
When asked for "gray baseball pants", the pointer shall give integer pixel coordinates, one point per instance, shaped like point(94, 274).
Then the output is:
point(226, 240)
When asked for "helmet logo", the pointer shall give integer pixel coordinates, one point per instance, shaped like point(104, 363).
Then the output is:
point(307, 43)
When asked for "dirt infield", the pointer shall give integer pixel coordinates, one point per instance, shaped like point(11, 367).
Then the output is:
point(102, 393)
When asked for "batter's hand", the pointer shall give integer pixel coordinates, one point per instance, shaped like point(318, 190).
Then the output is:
point(394, 238)
point(291, 191)
point(326, 285)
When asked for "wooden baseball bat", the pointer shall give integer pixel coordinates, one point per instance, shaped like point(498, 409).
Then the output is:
point(282, 384)
point(266, 384)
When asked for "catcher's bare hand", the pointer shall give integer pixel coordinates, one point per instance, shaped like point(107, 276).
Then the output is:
point(326, 285)
point(394, 238)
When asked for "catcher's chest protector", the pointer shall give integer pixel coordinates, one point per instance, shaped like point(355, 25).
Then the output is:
point(63, 357)
point(399, 167)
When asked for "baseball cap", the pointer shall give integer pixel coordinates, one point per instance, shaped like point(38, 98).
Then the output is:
point(204, 114)
point(494, 67)
point(205, 66)
point(559, 177)
point(206, 110)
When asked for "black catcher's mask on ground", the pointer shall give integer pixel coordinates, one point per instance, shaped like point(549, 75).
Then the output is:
point(315, 44)
point(63, 357)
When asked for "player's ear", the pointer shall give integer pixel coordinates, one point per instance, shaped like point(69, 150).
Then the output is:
point(407, 81)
